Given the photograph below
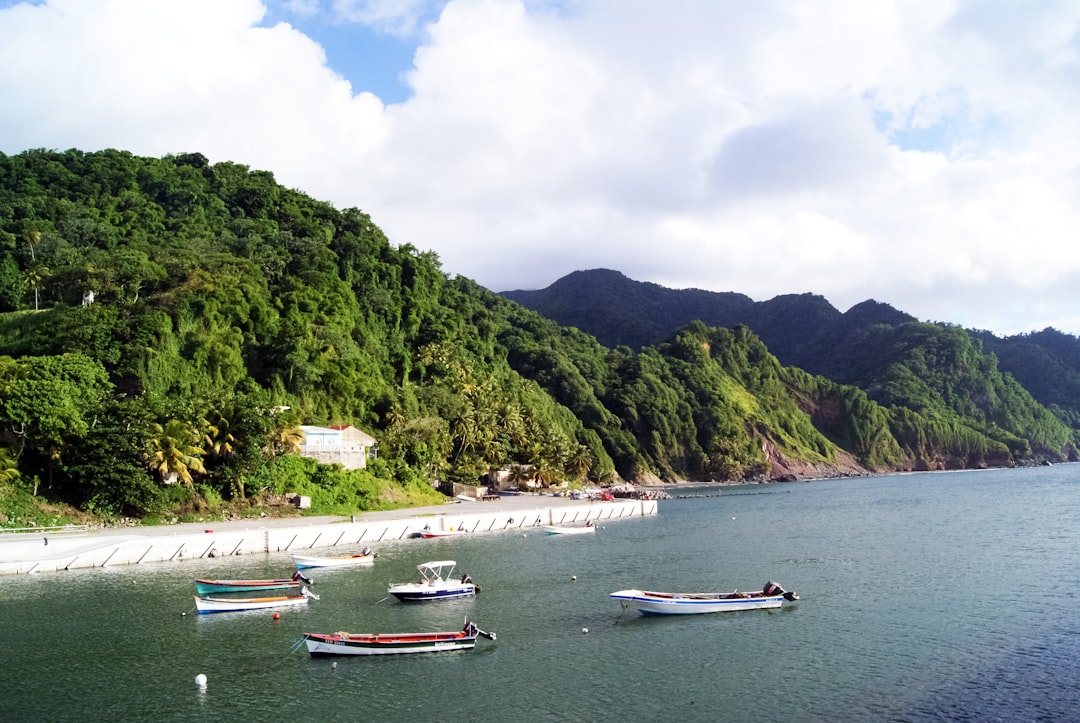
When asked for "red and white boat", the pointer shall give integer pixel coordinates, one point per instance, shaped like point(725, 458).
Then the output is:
point(343, 643)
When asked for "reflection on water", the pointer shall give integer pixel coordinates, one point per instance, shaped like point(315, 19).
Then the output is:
point(923, 597)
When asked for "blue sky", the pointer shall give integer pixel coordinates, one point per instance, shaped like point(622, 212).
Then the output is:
point(371, 57)
point(922, 153)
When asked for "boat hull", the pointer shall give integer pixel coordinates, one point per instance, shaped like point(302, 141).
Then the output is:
point(309, 561)
point(420, 592)
point(652, 603)
point(215, 587)
point(388, 644)
point(431, 534)
point(557, 530)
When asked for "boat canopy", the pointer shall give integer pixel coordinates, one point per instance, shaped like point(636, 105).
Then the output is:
point(436, 565)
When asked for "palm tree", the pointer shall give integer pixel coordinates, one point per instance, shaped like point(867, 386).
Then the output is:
point(172, 452)
point(35, 278)
point(580, 462)
point(33, 238)
point(8, 471)
point(217, 441)
point(285, 439)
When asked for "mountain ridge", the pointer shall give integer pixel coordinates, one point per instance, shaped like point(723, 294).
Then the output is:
point(802, 330)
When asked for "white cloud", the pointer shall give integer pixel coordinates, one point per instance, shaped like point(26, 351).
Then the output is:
point(920, 152)
point(396, 17)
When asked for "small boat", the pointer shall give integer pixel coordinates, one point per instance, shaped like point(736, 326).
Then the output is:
point(585, 529)
point(427, 533)
point(691, 603)
point(393, 643)
point(206, 605)
point(365, 557)
point(436, 583)
point(214, 587)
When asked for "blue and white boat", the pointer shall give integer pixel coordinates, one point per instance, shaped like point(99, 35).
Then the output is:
point(207, 605)
point(436, 582)
point(691, 603)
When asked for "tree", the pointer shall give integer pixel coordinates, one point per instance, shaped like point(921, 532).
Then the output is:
point(580, 462)
point(285, 438)
point(48, 403)
point(35, 278)
point(173, 453)
point(9, 471)
point(217, 441)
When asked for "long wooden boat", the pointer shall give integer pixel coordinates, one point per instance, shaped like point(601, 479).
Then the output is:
point(342, 643)
point(436, 583)
point(569, 529)
point(216, 587)
point(691, 603)
point(365, 557)
point(206, 605)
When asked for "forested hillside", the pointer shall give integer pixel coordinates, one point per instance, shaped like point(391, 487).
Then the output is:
point(1001, 399)
point(166, 324)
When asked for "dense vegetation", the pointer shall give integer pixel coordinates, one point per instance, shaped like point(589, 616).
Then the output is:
point(227, 310)
point(952, 397)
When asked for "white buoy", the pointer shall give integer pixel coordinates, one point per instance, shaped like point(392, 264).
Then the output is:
point(573, 577)
point(200, 681)
point(333, 665)
point(585, 631)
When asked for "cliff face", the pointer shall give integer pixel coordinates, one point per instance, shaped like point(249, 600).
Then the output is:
point(784, 469)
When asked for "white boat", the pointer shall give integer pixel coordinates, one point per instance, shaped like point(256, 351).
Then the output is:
point(393, 643)
point(207, 605)
point(436, 583)
point(365, 557)
point(427, 533)
point(691, 603)
point(216, 587)
point(585, 529)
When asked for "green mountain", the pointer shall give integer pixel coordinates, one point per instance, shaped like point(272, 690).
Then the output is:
point(167, 323)
point(1019, 396)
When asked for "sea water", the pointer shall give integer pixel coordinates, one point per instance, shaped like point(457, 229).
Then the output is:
point(945, 596)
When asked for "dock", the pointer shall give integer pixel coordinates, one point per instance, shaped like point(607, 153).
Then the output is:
point(50, 551)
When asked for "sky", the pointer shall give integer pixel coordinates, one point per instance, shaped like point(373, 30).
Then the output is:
point(921, 153)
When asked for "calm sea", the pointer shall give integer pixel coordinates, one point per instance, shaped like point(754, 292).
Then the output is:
point(949, 596)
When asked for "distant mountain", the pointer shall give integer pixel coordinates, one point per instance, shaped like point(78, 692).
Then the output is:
point(801, 330)
point(1046, 363)
point(619, 311)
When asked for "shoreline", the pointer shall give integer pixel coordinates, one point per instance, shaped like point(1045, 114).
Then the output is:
point(34, 553)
